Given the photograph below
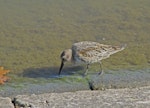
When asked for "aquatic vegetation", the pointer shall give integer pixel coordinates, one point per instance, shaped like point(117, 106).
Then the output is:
point(3, 72)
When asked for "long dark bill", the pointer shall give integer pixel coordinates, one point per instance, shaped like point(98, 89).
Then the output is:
point(62, 64)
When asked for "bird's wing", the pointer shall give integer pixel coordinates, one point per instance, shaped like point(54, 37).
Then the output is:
point(93, 52)
point(88, 52)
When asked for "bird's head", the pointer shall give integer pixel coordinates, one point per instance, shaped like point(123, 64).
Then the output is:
point(65, 56)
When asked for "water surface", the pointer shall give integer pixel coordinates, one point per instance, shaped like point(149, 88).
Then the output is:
point(34, 32)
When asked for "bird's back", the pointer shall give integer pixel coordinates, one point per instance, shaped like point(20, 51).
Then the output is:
point(90, 52)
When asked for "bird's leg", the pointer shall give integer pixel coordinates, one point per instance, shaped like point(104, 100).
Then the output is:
point(101, 70)
point(87, 67)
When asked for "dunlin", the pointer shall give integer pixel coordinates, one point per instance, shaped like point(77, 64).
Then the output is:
point(88, 52)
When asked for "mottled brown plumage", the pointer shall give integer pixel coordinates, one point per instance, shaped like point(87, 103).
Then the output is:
point(88, 52)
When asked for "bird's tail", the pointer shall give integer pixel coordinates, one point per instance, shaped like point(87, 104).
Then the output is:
point(123, 46)
point(115, 49)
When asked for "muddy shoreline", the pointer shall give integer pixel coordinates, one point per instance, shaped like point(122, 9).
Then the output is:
point(109, 80)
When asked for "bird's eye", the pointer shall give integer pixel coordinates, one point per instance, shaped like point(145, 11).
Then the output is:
point(64, 59)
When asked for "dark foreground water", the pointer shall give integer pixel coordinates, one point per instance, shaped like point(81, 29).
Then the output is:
point(34, 32)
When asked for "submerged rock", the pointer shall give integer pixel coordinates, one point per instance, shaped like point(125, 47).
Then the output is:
point(120, 79)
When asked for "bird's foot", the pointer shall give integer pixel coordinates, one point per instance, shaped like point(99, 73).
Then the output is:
point(100, 73)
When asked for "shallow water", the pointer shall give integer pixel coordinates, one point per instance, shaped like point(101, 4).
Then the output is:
point(33, 34)
point(74, 82)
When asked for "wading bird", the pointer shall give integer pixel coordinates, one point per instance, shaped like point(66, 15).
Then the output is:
point(88, 52)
